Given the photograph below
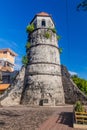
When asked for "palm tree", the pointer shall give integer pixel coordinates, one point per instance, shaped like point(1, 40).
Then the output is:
point(82, 5)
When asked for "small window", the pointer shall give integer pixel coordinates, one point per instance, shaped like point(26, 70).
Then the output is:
point(4, 64)
point(11, 54)
point(8, 64)
point(43, 23)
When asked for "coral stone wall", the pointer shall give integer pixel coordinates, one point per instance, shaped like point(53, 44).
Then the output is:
point(38, 37)
point(43, 74)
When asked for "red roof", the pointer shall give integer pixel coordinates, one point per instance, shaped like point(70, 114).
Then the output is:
point(8, 50)
point(4, 86)
point(43, 14)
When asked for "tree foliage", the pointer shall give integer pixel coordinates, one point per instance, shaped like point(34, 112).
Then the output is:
point(47, 35)
point(60, 50)
point(28, 45)
point(58, 37)
point(30, 28)
point(24, 60)
point(81, 83)
point(82, 5)
point(54, 30)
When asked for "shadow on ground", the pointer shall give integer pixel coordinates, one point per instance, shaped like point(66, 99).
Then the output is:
point(65, 118)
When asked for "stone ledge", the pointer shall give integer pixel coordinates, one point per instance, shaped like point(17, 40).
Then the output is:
point(80, 126)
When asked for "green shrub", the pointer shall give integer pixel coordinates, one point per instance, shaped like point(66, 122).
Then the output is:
point(60, 50)
point(28, 45)
point(24, 60)
point(58, 37)
point(47, 35)
point(30, 28)
point(79, 107)
point(81, 83)
point(53, 30)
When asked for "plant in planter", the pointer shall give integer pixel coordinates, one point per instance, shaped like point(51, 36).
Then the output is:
point(79, 107)
point(80, 116)
point(30, 28)
point(47, 35)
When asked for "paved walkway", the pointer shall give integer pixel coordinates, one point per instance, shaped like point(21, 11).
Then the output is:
point(36, 118)
point(62, 119)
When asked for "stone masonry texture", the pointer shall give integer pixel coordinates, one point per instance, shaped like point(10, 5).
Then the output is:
point(71, 91)
point(12, 96)
point(43, 75)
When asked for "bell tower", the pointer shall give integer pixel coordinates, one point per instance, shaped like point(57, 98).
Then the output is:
point(42, 20)
point(43, 85)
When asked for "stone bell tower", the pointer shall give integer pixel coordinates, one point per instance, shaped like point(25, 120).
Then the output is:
point(43, 84)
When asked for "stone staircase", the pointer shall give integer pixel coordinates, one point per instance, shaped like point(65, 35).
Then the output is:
point(12, 95)
point(71, 91)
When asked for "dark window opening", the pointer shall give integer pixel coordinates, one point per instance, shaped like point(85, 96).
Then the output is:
point(41, 103)
point(7, 64)
point(0, 62)
point(11, 54)
point(6, 78)
point(43, 23)
point(4, 64)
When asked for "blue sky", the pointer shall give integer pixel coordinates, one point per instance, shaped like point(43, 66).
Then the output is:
point(70, 24)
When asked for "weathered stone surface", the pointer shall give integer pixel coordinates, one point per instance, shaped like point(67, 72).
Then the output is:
point(43, 75)
point(12, 95)
point(44, 53)
point(44, 69)
point(38, 37)
point(71, 91)
point(43, 87)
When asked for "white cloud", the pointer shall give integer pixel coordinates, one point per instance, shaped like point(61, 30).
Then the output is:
point(4, 43)
point(17, 67)
point(18, 63)
point(14, 46)
point(73, 73)
point(18, 59)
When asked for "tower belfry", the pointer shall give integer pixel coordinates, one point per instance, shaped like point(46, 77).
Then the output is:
point(43, 75)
